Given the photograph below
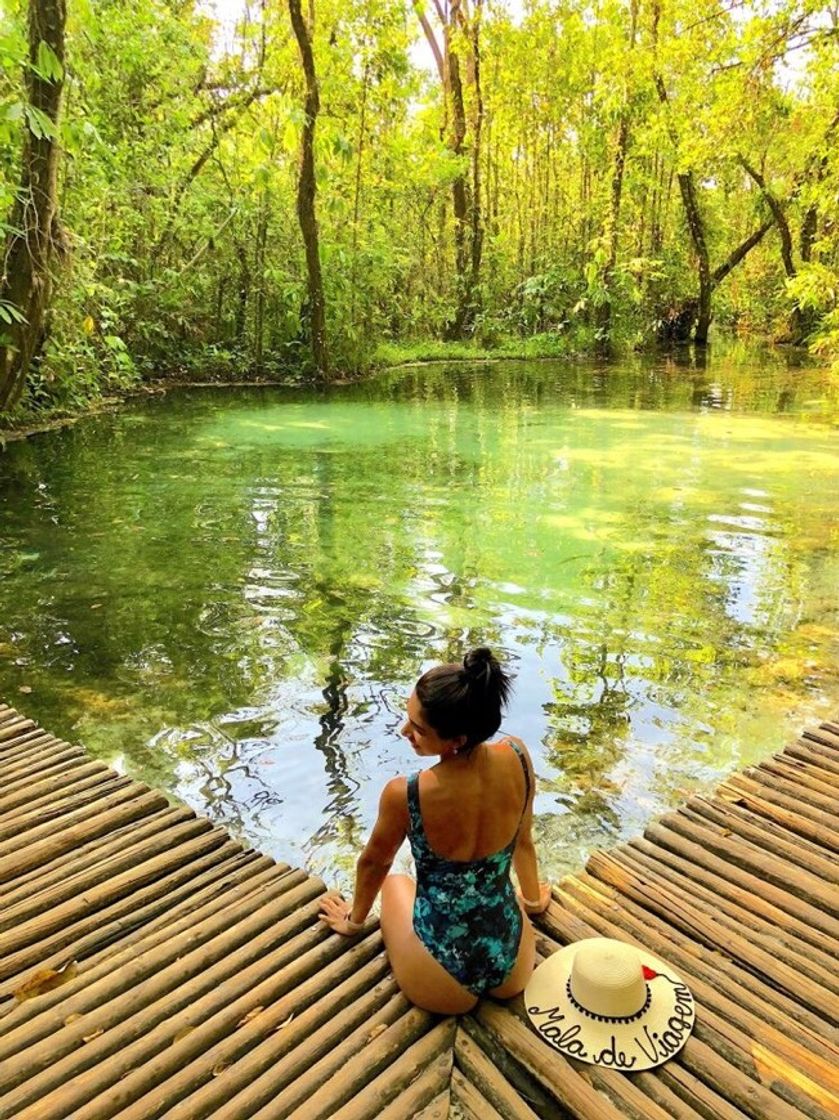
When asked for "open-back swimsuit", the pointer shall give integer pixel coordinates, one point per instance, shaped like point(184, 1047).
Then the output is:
point(466, 912)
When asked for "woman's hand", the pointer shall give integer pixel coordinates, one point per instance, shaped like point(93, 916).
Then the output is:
point(335, 912)
point(531, 906)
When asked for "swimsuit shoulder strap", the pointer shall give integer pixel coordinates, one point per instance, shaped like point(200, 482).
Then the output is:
point(524, 767)
point(414, 805)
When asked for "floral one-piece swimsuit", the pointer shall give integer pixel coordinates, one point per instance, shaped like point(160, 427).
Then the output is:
point(466, 913)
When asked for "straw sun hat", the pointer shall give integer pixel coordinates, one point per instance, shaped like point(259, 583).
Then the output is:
point(609, 1004)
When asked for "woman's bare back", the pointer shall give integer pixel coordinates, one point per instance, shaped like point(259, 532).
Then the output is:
point(472, 807)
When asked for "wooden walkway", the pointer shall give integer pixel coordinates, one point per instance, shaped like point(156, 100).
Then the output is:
point(192, 978)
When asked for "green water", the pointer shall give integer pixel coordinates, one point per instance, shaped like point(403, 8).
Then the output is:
point(229, 594)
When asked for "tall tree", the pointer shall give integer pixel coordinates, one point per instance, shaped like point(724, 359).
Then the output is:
point(460, 28)
point(306, 191)
point(612, 224)
point(35, 238)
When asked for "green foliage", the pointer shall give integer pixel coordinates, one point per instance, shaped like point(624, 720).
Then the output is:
point(180, 155)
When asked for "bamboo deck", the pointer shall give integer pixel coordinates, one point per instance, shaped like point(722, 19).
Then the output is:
point(194, 980)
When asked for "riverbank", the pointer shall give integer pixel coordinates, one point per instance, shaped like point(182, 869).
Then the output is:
point(29, 422)
point(388, 355)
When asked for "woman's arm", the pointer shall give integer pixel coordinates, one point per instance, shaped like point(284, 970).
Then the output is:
point(375, 861)
point(535, 896)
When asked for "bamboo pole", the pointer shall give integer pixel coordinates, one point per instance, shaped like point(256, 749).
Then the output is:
point(760, 1010)
point(774, 937)
point(12, 749)
point(13, 727)
point(427, 1097)
point(798, 772)
point(698, 1096)
point(211, 910)
point(36, 899)
point(173, 1001)
point(472, 1106)
point(816, 755)
point(696, 853)
point(45, 844)
point(787, 876)
point(414, 1079)
point(437, 1109)
point(223, 1033)
point(35, 792)
point(771, 837)
point(392, 1058)
point(74, 862)
point(38, 758)
point(77, 796)
point(796, 795)
point(161, 859)
point(547, 1065)
point(707, 929)
point(670, 863)
point(490, 1085)
point(93, 929)
point(301, 1029)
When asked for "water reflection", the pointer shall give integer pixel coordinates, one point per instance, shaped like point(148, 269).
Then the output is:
point(233, 594)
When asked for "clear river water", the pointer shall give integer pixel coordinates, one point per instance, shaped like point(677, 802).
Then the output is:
point(229, 593)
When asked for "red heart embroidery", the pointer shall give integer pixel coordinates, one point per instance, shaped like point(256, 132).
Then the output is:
point(649, 973)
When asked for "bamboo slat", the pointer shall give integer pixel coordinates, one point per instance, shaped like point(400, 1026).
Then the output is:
point(471, 1105)
point(766, 835)
point(328, 1084)
point(774, 936)
point(718, 982)
point(298, 1031)
point(396, 1087)
point(175, 973)
point(486, 1080)
point(427, 1096)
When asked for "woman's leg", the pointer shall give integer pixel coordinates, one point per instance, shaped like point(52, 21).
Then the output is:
point(422, 979)
point(523, 968)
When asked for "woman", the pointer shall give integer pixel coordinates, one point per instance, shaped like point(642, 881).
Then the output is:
point(459, 932)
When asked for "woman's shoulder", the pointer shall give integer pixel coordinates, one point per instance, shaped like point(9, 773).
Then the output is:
point(393, 801)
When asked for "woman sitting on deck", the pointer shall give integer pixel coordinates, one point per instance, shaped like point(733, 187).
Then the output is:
point(459, 932)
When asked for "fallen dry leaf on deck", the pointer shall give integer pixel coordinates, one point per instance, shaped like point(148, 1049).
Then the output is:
point(219, 1068)
point(252, 1014)
point(284, 1023)
point(45, 980)
point(376, 1031)
point(93, 1034)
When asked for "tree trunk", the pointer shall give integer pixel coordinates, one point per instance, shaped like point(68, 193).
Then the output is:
point(796, 324)
point(604, 311)
point(306, 190)
point(696, 228)
point(35, 235)
point(259, 301)
point(468, 228)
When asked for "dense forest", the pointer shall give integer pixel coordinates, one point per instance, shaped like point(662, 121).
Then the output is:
point(307, 196)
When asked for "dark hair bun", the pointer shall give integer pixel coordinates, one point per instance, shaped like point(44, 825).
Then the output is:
point(482, 669)
point(478, 663)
